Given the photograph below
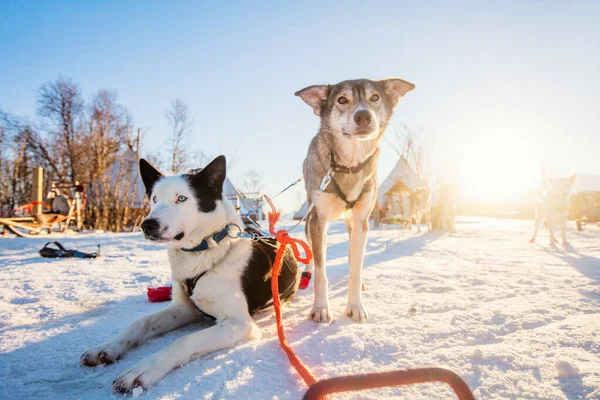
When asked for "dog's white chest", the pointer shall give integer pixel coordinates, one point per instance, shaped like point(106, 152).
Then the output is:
point(219, 291)
point(215, 296)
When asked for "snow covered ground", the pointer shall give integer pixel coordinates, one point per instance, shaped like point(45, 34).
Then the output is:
point(516, 320)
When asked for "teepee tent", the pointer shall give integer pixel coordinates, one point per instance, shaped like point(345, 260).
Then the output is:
point(402, 179)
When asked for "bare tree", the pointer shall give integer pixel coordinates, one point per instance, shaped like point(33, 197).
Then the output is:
point(252, 183)
point(181, 122)
point(412, 145)
point(91, 142)
point(60, 104)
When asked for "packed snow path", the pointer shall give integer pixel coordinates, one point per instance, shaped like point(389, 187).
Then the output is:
point(515, 320)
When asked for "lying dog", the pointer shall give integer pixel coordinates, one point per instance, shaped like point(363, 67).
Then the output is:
point(420, 206)
point(554, 208)
point(354, 115)
point(215, 274)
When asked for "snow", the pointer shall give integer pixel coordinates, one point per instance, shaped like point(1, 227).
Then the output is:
point(515, 320)
point(136, 392)
point(564, 368)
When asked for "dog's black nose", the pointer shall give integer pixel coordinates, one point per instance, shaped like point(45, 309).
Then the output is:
point(363, 117)
point(150, 226)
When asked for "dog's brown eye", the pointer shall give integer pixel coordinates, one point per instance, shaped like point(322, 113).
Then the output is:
point(375, 98)
point(343, 100)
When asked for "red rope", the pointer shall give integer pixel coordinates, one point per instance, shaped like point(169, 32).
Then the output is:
point(284, 239)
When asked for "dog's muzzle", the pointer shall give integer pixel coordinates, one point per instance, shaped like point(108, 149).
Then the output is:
point(151, 229)
point(363, 118)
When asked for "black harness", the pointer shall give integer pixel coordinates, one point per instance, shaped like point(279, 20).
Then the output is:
point(335, 167)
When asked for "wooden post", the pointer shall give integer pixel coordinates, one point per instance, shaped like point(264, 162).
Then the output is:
point(38, 190)
point(78, 217)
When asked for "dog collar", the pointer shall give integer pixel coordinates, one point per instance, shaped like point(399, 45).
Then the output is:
point(350, 170)
point(217, 237)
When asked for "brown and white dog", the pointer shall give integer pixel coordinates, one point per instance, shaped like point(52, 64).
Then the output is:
point(420, 206)
point(354, 115)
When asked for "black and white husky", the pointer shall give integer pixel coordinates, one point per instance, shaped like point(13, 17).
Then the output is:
point(215, 275)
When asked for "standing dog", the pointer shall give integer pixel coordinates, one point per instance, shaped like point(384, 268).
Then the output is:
point(354, 115)
point(215, 274)
point(554, 208)
point(420, 206)
point(447, 208)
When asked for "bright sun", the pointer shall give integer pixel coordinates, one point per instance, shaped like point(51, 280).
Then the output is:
point(498, 168)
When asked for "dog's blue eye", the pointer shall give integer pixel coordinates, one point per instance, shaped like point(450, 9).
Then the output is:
point(154, 199)
point(181, 199)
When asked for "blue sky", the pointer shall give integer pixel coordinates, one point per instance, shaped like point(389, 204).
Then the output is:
point(501, 87)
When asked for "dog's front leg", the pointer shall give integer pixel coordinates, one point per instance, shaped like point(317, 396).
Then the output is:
point(151, 369)
point(563, 228)
point(551, 226)
point(536, 225)
point(317, 230)
point(358, 241)
point(165, 320)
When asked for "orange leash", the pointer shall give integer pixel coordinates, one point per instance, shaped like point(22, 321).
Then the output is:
point(284, 239)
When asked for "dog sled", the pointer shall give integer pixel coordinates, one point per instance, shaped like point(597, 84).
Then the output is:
point(39, 218)
point(586, 208)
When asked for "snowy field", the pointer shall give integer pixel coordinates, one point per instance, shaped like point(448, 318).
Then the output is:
point(515, 320)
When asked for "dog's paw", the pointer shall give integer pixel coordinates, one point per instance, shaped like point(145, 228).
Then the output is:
point(106, 353)
point(144, 374)
point(321, 314)
point(532, 240)
point(356, 312)
point(565, 243)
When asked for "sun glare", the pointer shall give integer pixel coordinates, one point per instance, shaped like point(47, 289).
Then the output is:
point(497, 168)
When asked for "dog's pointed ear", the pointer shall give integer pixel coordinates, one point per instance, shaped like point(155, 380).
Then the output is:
point(149, 175)
point(214, 174)
point(396, 88)
point(315, 96)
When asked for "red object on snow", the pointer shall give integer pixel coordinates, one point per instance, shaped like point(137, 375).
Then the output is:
point(159, 294)
point(304, 280)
